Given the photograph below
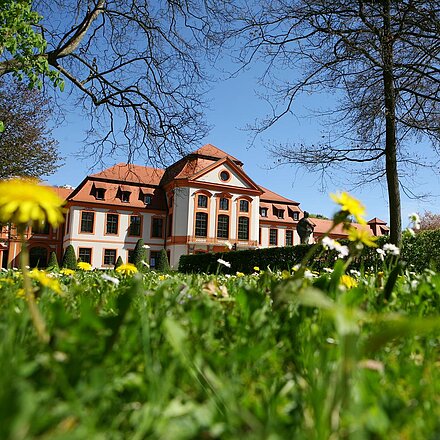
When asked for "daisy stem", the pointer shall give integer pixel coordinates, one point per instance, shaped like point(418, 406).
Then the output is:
point(37, 318)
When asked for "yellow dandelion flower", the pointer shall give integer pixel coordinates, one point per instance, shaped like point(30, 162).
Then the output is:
point(68, 272)
point(84, 266)
point(348, 281)
point(126, 269)
point(20, 293)
point(45, 280)
point(239, 274)
point(350, 205)
point(362, 236)
point(161, 277)
point(24, 201)
point(6, 280)
point(257, 269)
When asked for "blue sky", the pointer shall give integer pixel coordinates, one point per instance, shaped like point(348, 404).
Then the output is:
point(233, 104)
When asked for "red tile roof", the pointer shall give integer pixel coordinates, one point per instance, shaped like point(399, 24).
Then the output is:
point(112, 191)
point(212, 151)
point(63, 193)
point(377, 221)
point(132, 173)
point(270, 196)
point(323, 225)
point(192, 167)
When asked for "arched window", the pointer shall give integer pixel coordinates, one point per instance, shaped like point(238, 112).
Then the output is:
point(243, 228)
point(38, 257)
point(223, 226)
point(201, 224)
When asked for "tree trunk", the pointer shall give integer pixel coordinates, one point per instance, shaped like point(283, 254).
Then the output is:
point(390, 133)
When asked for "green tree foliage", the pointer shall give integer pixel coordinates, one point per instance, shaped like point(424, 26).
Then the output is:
point(22, 43)
point(69, 258)
point(119, 262)
point(163, 265)
point(140, 255)
point(53, 261)
point(27, 147)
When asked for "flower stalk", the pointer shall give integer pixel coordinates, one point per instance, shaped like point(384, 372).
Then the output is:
point(37, 318)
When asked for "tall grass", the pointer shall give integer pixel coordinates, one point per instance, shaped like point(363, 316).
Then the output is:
point(267, 356)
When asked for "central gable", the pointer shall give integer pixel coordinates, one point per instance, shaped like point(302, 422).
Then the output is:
point(226, 173)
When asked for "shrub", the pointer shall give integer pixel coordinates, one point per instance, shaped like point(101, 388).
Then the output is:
point(53, 261)
point(139, 255)
point(279, 258)
point(69, 258)
point(163, 264)
point(119, 262)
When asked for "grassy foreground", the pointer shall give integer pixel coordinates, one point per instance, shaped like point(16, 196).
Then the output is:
point(264, 356)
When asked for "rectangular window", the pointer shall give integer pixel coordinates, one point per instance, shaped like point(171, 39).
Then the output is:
point(224, 204)
point(202, 201)
point(273, 237)
point(85, 255)
point(41, 228)
point(223, 226)
point(109, 257)
point(130, 256)
point(112, 224)
point(289, 238)
point(154, 256)
point(280, 213)
point(243, 228)
point(201, 229)
point(157, 227)
point(87, 221)
point(263, 212)
point(135, 226)
point(295, 216)
point(244, 206)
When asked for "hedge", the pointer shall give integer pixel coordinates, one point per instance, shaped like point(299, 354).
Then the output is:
point(419, 253)
point(422, 251)
point(276, 258)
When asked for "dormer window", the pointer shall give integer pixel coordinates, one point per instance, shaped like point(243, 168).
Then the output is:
point(147, 199)
point(263, 212)
point(278, 211)
point(295, 216)
point(99, 193)
point(98, 190)
point(125, 196)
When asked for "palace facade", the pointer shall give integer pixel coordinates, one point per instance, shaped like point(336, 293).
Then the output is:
point(204, 202)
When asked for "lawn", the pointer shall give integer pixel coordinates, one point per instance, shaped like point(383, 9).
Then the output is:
point(270, 355)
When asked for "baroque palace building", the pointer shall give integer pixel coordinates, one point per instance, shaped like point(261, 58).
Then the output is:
point(202, 203)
